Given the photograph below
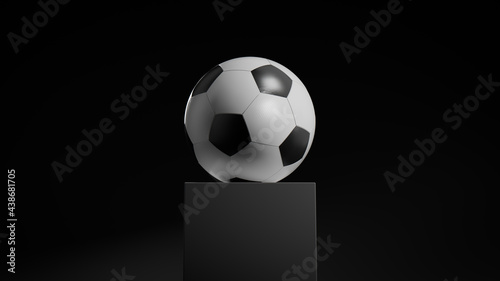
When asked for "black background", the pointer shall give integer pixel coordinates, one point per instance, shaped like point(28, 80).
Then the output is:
point(119, 207)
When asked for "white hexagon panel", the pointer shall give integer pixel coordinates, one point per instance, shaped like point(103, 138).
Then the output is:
point(269, 119)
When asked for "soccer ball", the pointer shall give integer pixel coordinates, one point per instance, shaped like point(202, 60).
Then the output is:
point(250, 119)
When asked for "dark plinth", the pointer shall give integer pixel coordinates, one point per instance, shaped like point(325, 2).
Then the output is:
point(249, 231)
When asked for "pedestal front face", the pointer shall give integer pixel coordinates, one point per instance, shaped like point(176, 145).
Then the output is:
point(249, 231)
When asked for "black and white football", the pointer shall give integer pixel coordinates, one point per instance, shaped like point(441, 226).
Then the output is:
point(250, 119)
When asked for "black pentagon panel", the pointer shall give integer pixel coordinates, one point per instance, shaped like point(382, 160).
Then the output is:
point(207, 80)
point(271, 80)
point(294, 146)
point(229, 133)
point(239, 180)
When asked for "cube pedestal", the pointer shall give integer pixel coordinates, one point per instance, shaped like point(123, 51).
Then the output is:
point(248, 231)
